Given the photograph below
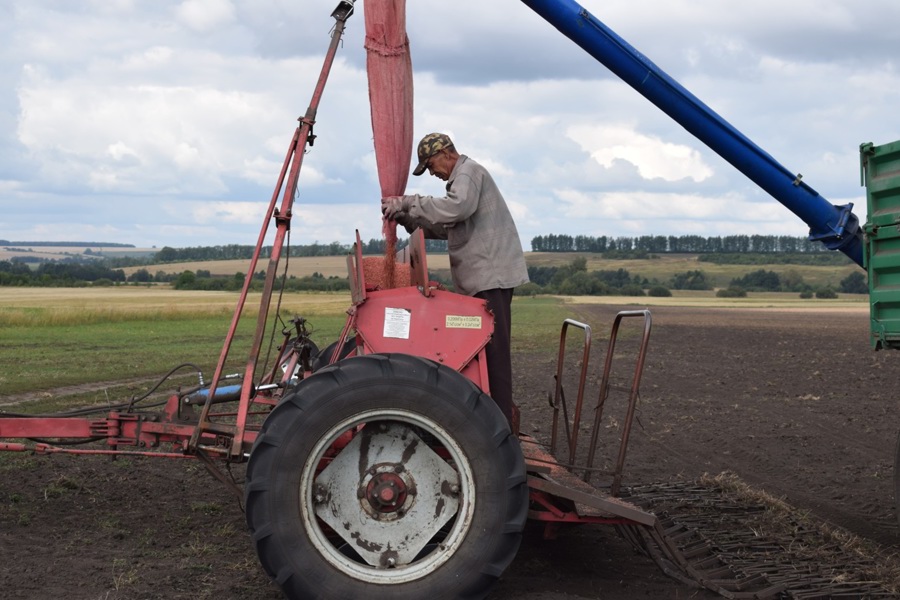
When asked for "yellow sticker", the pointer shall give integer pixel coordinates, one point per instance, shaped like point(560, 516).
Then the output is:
point(462, 322)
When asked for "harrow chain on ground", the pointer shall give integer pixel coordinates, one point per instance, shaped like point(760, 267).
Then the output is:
point(706, 536)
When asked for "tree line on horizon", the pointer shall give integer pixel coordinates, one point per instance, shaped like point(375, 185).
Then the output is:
point(671, 244)
point(95, 269)
point(570, 279)
point(614, 247)
point(167, 254)
point(622, 245)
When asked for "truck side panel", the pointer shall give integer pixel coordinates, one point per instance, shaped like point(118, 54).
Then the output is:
point(881, 175)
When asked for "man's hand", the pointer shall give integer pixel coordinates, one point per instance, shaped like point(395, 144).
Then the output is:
point(406, 220)
point(393, 206)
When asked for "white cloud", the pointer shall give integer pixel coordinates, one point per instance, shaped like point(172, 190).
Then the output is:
point(119, 150)
point(180, 137)
point(8, 186)
point(337, 223)
point(652, 156)
point(664, 207)
point(112, 6)
point(205, 15)
point(167, 122)
point(247, 213)
point(149, 58)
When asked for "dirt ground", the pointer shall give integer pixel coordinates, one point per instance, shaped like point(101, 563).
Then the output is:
point(793, 403)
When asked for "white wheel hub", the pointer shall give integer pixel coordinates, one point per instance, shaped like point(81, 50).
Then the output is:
point(388, 495)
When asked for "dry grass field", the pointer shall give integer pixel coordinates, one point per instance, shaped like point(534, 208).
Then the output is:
point(328, 266)
point(657, 269)
point(666, 265)
point(783, 301)
point(70, 306)
point(61, 252)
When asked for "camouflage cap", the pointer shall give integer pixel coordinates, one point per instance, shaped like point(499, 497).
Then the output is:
point(430, 145)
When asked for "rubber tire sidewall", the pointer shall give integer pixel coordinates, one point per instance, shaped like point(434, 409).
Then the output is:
point(323, 357)
point(373, 382)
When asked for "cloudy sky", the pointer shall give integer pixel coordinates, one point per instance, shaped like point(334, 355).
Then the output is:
point(166, 122)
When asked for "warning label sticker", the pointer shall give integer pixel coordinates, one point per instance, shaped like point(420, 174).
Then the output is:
point(396, 323)
point(462, 322)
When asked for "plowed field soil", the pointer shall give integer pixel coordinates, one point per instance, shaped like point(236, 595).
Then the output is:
point(794, 403)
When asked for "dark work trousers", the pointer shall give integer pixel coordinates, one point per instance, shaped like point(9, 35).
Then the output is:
point(499, 359)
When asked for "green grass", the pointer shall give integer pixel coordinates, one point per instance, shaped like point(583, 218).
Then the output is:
point(51, 347)
point(537, 321)
point(61, 344)
point(128, 337)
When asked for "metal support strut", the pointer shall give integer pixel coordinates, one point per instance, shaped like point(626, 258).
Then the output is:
point(282, 215)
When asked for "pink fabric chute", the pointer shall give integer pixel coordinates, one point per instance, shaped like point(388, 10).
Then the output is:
point(389, 68)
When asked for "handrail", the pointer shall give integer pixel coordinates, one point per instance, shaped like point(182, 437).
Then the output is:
point(559, 399)
point(632, 397)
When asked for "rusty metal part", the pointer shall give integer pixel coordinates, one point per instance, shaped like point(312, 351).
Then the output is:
point(559, 400)
point(287, 189)
point(719, 541)
point(587, 502)
point(632, 396)
point(387, 494)
point(213, 469)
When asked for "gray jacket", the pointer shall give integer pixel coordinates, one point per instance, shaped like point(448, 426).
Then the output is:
point(484, 246)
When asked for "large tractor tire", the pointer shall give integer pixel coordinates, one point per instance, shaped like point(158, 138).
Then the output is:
point(323, 358)
point(386, 476)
